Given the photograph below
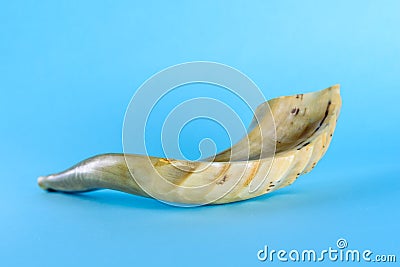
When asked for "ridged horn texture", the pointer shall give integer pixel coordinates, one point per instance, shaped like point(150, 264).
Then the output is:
point(303, 127)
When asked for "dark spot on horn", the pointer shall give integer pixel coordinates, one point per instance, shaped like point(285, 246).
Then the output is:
point(324, 118)
point(222, 181)
point(305, 144)
point(295, 111)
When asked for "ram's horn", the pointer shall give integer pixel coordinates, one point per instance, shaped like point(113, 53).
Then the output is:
point(304, 126)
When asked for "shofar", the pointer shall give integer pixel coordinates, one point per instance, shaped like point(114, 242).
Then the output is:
point(300, 131)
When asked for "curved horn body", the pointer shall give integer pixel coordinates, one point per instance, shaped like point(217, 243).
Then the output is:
point(303, 127)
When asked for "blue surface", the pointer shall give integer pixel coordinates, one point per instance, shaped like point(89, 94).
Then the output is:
point(69, 68)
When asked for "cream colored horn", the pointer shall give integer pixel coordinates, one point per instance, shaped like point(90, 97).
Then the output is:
point(304, 126)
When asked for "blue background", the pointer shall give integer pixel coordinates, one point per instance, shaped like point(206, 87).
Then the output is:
point(69, 68)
